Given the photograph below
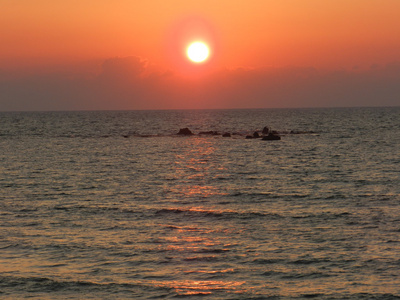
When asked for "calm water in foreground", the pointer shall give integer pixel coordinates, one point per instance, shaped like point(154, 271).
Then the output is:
point(115, 205)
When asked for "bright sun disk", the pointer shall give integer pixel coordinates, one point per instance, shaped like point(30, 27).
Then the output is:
point(198, 52)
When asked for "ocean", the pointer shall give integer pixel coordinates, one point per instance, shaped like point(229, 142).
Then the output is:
point(117, 205)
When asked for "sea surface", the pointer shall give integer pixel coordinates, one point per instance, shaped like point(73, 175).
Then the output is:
point(116, 205)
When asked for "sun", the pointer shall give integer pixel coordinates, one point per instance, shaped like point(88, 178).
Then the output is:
point(198, 52)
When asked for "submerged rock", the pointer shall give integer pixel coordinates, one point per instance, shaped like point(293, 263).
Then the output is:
point(301, 132)
point(185, 131)
point(208, 132)
point(226, 134)
point(271, 137)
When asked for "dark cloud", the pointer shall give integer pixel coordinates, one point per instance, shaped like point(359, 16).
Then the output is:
point(130, 83)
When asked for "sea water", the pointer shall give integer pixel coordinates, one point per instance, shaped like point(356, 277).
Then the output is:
point(116, 205)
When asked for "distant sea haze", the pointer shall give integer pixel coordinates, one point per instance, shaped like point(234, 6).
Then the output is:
point(117, 205)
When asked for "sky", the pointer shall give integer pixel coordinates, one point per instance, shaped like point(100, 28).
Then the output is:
point(120, 55)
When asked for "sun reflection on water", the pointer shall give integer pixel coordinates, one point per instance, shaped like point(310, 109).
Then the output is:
point(202, 287)
point(193, 243)
point(195, 172)
point(196, 251)
point(202, 191)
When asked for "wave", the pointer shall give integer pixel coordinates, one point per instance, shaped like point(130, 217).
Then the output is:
point(324, 216)
point(44, 284)
point(12, 287)
point(292, 276)
point(220, 214)
point(198, 212)
point(145, 211)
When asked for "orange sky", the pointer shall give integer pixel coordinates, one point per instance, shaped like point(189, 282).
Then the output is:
point(42, 35)
point(250, 33)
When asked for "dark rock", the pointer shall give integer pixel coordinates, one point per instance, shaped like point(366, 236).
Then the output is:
point(226, 134)
point(185, 131)
point(271, 137)
point(256, 135)
point(265, 130)
point(301, 132)
point(208, 132)
point(249, 137)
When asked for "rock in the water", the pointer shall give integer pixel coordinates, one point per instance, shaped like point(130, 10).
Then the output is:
point(265, 130)
point(249, 137)
point(185, 131)
point(256, 135)
point(208, 132)
point(271, 137)
point(226, 134)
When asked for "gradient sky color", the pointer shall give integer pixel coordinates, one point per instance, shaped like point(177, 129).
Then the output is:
point(131, 54)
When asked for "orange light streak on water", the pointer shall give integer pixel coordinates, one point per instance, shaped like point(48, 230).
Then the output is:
point(202, 287)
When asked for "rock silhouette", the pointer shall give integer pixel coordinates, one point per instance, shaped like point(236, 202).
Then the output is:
point(265, 130)
point(208, 132)
point(271, 137)
point(185, 131)
point(266, 135)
